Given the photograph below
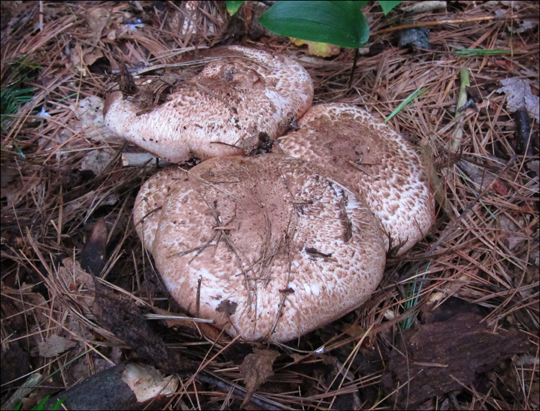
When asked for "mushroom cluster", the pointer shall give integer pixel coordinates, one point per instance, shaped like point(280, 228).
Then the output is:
point(272, 246)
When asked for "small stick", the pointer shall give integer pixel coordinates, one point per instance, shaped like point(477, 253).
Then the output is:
point(356, 52)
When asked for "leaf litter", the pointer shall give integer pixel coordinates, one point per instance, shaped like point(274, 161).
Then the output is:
point(483, 250)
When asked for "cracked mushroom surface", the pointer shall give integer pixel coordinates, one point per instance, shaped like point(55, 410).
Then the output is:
point(366, 155)
point(265, 246)
point(239, 94)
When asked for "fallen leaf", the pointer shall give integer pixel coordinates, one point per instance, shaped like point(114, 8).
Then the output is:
point(55, 345)
point(483, 178)
point(519, 96)
point(257, 368)
point(90, 57)
point(512, 235)
point(318, 49)
point(146, 382)
point(523, 26)
point(89, 112)
point(97, 160)
point(97, 20)
point(76, 283)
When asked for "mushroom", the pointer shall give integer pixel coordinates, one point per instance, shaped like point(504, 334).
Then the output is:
point(219, 112)
point(265, 246)
point(369, 157)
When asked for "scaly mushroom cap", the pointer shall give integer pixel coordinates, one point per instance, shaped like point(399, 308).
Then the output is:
point(369, 157)
point(219, 112)
point(264, 246)
point(150, 200)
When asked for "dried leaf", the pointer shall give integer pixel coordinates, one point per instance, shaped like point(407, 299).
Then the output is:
point(89, 112)
point(257, 368)
point(146, 382)
point(97, 160)
point(512, 235)
point(97, 20)
point(55, 345)
point(483, 178)
point(77, 282)
point(519, 96)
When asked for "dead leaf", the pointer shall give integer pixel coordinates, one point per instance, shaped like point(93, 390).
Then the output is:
point(55, 345)
point(91, 56)
point(534, 166)
point(523, 26)
point(483, 178)
point(97, 160)
point(97, 20)
point(146, 382)
point(519, 96)
point(512, 235)
point(77, 283)
point(257, 368)
point(89, 112)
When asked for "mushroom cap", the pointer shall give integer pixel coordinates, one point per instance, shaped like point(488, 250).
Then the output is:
point(219, 112)
point(264, 246)
point(369, 157)
point(150, 200)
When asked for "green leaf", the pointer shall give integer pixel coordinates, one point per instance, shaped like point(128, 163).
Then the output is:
point(233, 6)
point(335, 22)
point(418, 92)
point(477, 52)
point(58, 404)
point(387, 6)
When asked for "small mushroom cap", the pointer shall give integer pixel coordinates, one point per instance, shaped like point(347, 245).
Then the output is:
point(219, 112)
point(264, 246)
point(372, 159)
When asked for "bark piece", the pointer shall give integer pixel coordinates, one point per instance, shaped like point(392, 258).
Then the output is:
point(445, 356)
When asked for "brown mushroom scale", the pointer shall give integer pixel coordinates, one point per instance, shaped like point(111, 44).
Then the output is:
point(265, 246)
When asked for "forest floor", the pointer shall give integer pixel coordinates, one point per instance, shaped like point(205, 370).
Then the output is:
point(453, 325)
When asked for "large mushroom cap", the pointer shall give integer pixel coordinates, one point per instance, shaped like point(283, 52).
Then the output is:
point(368, 156)
point(219, 112)
point(263, 245)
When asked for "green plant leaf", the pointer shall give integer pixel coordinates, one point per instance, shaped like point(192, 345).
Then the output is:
point(233, 6)
point(416, 93)
point(477, 52)
point(336, 22)
point(387, 6)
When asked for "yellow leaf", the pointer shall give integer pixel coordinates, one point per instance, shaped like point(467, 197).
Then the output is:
point(318, 49)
